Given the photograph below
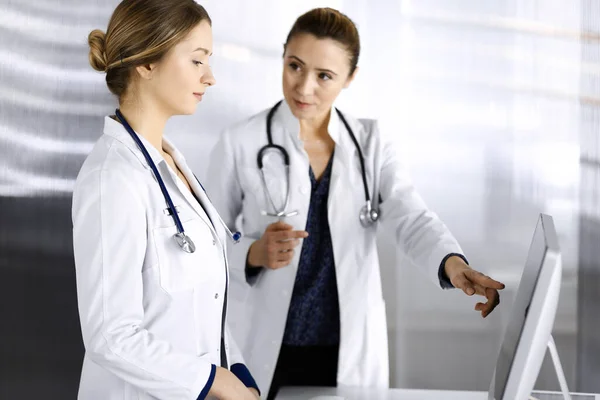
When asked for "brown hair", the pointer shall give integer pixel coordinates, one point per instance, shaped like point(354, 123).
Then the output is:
point(140, 32)
point(329, 23)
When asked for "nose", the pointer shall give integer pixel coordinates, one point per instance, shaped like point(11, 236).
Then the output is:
point(305, 86)
point(208, 79)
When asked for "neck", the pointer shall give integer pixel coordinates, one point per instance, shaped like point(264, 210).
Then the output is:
point(146, 120)
point(315, 128)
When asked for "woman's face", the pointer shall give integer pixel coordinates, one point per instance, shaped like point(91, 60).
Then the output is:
point(180, 79)
point(314, 72)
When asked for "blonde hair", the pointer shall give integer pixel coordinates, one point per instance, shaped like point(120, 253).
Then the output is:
point(140, 32)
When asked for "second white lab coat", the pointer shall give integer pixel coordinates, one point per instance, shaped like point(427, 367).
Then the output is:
point(150, 313)
point(260, 306)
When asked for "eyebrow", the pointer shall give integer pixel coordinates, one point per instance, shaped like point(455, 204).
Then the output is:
point(208, 53)
point(318, 69)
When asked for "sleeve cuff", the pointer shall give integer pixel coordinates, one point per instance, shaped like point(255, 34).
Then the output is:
point(251, 273)
point(443, 278)
point(242, 373)
point(209, 383)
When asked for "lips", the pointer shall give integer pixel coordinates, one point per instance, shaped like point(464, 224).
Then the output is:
point(301, 104)
point(198, 95)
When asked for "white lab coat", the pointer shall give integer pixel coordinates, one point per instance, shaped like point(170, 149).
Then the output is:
point(259, 307)
point(150, 313)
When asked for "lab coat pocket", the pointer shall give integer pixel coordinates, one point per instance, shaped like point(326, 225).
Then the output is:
point(179, 270)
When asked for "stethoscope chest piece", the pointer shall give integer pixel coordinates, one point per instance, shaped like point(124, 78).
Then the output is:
point(185, 242)
point(368, 215)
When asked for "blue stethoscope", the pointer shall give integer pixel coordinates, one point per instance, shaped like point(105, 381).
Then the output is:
point(183, 240)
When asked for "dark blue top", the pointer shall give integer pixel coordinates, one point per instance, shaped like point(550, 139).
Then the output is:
point(314, 313)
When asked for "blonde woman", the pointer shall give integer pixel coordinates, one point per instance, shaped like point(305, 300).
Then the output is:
point(152, 275)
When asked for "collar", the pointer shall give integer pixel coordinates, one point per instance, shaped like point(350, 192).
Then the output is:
point(201, 203)
point(117, 131)
point(170, 149)
point(290, 123)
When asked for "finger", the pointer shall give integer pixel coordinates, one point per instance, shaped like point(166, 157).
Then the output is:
point(481, 307)
point(275, 250)
point(285, 256)
point(288, 245)
point(272, 248)
point(480, 290)
point(280, 264)
point(493, 299)
point(461, 282)
point(483, 280)
point(276, 264)
point(287, 235)
point(279, 226)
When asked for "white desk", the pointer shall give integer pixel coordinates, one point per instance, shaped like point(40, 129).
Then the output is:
point(376, 394)
point(347, 393)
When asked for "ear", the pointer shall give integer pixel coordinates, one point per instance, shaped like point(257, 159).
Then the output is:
point(350, 79)
point(145, 71)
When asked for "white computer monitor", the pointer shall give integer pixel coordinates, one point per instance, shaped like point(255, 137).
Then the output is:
point(529, 328)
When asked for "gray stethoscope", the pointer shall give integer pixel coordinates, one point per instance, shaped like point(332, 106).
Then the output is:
point(183, 240)
point(368, 214)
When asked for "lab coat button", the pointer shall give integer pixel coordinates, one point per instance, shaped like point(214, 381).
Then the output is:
point(214, 242)
point(216, 295)
point(303, 190)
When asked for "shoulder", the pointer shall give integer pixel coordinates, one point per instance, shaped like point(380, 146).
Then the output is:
point(366, 130)
point(110, 163)
point(255, 124)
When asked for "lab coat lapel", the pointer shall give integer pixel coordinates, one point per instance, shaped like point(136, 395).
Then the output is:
point(118, 131)
point(207, 204)
point(341, 154)
point(342, 208)
point(202, 205)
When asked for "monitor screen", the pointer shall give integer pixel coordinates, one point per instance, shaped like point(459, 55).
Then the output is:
point(512, 335)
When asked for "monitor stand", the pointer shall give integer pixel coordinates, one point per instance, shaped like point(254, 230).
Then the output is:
point(559, 371)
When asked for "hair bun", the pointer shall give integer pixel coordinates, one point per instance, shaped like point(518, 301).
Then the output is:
point(97, 56)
